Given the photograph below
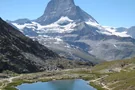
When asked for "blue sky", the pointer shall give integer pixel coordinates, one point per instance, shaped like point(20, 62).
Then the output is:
point(115, 13)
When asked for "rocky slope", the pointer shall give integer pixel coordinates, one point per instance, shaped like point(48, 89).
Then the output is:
point(72, 33)
point(20, 54)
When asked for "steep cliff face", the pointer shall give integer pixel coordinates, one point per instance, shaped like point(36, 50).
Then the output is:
point(58, 8)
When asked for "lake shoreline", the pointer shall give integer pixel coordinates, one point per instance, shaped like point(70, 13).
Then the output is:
point(66, 84)
point(50, 76)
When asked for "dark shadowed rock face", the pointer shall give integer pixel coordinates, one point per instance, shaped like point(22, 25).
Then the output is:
point(19, 53)
point(58, 8)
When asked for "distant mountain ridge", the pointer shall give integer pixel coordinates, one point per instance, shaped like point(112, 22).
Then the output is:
point(72, 33)
point(130, 31)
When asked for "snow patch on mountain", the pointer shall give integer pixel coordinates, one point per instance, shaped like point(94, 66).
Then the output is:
point(89, 22)
point(64, 19)
point(108, 30)
point(63, 25)
point(115, 45)
point(66, 25)
point(113, 31)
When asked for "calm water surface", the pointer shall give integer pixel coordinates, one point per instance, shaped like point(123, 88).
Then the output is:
point(58, 85)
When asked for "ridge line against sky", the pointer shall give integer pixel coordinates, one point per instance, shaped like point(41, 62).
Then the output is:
point(117, 13)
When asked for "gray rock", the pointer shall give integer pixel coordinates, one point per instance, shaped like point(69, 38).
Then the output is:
point(19, 53)
point(58, 8)
point(131, 31)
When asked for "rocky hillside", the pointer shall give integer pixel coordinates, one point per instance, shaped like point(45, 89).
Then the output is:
point(19, 53)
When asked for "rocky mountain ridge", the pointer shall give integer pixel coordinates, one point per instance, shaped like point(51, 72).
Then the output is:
point(74, 34)
point(57, 8)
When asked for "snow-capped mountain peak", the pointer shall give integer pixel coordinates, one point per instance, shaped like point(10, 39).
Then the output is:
point(67, 29)
point(66, 25)
point(67, 8)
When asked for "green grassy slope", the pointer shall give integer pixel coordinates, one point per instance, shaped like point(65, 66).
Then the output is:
point(120, 74)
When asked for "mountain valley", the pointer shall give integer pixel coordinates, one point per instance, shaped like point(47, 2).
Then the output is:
point(66, 43)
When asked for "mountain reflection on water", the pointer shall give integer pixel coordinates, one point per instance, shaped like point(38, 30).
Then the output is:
point(77, 84)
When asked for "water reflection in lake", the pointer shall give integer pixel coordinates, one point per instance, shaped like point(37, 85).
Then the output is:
point(58, 85)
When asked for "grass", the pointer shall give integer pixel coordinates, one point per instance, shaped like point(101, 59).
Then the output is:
point(10, 73)
point(11, 86)
point(98, 87)
point(123, 80)
point(118, 80)
point(112, 64)
point(46, 76)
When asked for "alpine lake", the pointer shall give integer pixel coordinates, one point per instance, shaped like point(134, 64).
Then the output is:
point(76, 84)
